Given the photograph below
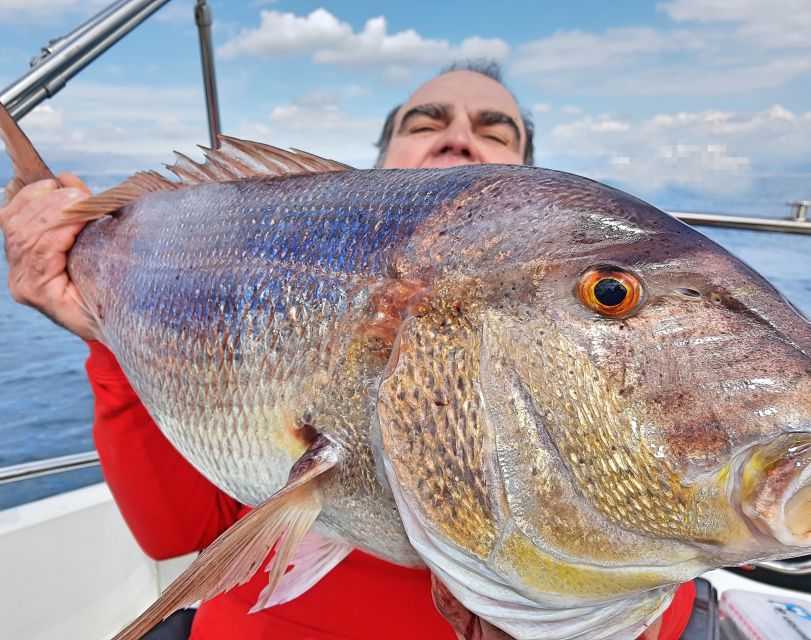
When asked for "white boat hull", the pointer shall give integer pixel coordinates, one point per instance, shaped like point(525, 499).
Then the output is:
point(71, 569)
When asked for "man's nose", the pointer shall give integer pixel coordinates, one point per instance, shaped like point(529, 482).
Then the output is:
point(457, 139)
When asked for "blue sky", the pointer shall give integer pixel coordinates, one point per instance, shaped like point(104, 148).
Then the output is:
point(692, 104)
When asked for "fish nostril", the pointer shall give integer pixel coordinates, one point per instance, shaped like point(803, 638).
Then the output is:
point(798, 512)
point(687, 292)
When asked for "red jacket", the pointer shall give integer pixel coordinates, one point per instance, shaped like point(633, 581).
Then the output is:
point(173, 510)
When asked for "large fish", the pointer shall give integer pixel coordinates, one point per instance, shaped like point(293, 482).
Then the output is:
point(560, 399)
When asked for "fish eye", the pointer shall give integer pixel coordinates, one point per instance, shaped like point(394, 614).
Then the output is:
point(610, 291)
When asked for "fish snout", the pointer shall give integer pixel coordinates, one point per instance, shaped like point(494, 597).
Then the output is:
point(775, 489)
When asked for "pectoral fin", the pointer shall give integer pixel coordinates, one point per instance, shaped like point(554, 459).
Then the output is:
point(235, 556)
point(315, 557)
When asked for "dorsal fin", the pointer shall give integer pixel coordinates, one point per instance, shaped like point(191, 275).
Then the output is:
point(235, 159)
point(112, 200)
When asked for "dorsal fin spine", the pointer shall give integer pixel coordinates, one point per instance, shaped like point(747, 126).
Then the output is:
point(235, 159)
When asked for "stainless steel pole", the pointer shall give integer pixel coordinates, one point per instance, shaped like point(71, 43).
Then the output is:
point(202, 15)
point(69, 55)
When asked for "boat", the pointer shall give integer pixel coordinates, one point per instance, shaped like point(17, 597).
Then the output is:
point(71, 569)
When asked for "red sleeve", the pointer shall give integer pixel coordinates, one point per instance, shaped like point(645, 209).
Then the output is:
point(170, 508)
point(677, 615)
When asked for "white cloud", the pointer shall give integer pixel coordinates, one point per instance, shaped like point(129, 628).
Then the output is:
point(330, 41)
point(713, 47)
point(98, 129)
point(318, 112)
point(476, 47)
point(702, 167)
point(709, 151)
point(43, 121)
point(570, 50)
point(767, 24)
point(712, 10)
point(46, 11)
point(316, 122)
point(569, 110)
point(116, 129)
point(286, 34)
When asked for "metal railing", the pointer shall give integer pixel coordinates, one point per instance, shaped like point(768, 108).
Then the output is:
point(784, 566)
point(795, 225)
point(37, 468)
point(202, 16)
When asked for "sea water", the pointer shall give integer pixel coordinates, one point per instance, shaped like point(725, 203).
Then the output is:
point(46, 403)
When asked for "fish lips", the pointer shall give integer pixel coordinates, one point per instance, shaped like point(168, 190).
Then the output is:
point(771, 488)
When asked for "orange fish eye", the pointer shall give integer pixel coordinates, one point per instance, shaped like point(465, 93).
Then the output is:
point(610, 291)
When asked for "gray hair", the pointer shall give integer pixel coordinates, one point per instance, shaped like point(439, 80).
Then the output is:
point(486, 67)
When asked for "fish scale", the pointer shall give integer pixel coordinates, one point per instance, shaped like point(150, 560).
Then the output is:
point(236, 301)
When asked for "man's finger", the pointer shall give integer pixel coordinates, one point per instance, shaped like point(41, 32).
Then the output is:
point(24, 228)
point(45, 211)
point(28, 193)
point(72, 180)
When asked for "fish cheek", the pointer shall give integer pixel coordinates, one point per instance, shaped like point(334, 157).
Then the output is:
point(534, 403)
point(598, 436)
point(708, 379)
point(432, 429)
point(643, 366)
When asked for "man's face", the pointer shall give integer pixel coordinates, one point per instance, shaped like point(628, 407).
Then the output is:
point(461, 117)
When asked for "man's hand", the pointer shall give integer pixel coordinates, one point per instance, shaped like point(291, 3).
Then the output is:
point(37, 250)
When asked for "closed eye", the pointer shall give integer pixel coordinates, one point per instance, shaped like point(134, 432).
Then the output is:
point(499, 133)
point(423, 128)
point(497, 139)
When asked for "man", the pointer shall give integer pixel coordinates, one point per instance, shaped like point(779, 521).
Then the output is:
point(462, 116)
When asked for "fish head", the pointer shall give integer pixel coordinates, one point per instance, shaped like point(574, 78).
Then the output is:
point(642, 404)
point(668, 382)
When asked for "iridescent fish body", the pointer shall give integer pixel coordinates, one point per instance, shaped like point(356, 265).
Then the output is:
point(264, 310)
point(560, 399)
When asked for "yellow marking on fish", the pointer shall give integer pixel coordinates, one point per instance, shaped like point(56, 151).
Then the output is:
point(754, 471)
point(722, 476)
point(540, 571)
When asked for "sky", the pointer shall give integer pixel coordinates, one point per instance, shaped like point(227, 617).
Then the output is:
point(700, 105)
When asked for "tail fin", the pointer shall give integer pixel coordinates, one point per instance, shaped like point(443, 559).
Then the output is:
point(27, 164)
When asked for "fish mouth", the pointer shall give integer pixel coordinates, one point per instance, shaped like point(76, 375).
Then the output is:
point(774, 488)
